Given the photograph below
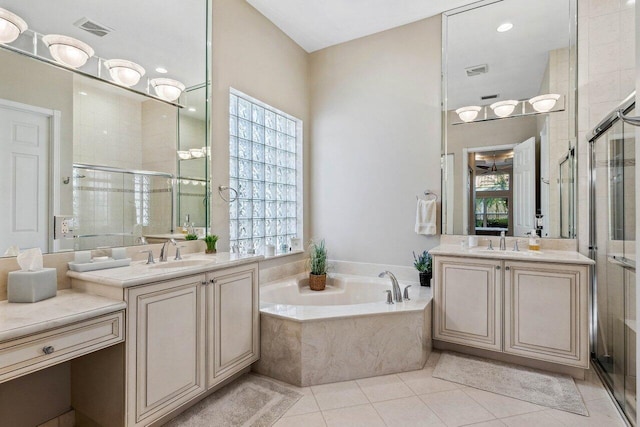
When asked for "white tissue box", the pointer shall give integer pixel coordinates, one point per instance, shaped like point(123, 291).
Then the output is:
point(32, 286)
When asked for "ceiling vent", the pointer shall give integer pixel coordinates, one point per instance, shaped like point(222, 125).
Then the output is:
point(476, 70)
point(92, 27)
point(494, 96)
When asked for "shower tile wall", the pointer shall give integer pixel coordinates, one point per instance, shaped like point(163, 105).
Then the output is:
point(606, 75)
point(107, 127)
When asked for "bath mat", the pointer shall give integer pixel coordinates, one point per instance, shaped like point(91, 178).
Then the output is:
point(531, 385)
point(250, 401)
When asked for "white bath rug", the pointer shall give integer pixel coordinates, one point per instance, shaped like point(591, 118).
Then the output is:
point(531, 385)
point(250, 401)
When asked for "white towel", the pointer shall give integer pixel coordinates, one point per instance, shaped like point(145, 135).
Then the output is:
point(426, 217)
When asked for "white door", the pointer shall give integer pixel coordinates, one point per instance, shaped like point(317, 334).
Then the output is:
point(24, 176)
point(524, 187)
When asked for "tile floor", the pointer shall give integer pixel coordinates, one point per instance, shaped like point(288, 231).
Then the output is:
point(417, 399)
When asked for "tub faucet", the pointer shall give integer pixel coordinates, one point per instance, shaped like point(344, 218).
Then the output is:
point(397, 294)
point(165, 250)
point(503, 242)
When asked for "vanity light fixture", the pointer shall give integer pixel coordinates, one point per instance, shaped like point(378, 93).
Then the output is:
point(11, 26)
point(503, 28)
point(167, 89)
point(196, 153)
point(184, 155)
point(504, 108)
point(468, 114)
point(544, 103)
point(67, 50)
point(123, 72)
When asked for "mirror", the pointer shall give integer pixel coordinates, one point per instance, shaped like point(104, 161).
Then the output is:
point(91, 156)
point(509, 133)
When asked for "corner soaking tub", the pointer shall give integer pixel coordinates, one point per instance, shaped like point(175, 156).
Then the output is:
point(345, 332)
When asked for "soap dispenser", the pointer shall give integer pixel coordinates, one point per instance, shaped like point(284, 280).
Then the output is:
point(534, 241)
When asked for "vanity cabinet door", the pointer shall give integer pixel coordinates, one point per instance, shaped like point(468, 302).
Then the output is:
point(546, 312)
point(233, 315)
point(165, 347)
point(468, 301)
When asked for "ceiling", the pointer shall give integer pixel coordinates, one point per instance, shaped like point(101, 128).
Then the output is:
point(315, 25)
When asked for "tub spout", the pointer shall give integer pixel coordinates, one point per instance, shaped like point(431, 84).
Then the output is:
point(397, 294)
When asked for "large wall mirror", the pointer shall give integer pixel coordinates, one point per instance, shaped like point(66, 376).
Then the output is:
point(509, 132)
point(98, 152)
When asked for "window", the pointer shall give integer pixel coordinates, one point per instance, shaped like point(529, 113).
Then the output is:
point(265, 169)
point(492, 201)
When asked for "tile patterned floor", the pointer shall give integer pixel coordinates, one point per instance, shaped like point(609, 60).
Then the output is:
point(417, 399)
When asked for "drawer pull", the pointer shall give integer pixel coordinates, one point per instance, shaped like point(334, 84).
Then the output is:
point(497, 267)
point(204, 283)
point(212, 281)
point(48, 349)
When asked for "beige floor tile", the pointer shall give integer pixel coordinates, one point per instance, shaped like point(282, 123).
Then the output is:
point(407, 412)
point(353, 416)
point(307, 420)
point(385, 387)
point(338, 395)
point(501, 406)
point(601, 413)
point(534, 419)
point(455, 408)
point(305, 405)
point(422, 382)
point(432, 361)
point(591, 389)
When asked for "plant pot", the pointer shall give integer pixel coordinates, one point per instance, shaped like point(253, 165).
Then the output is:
point(210, 251)
point(317, 282)
point(425, 279)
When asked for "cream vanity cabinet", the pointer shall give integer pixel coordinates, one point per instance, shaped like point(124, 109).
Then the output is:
point(234, 317)
point(533, 309)
point(165, 347)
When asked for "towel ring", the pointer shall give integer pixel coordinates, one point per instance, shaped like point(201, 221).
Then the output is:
point(222, 188)
point(430, 195)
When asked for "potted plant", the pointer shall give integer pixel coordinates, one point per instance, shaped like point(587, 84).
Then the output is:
point(317, 266)
point(424, 264)
point(210, 240)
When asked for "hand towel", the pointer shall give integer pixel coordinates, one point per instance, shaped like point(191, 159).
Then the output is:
point(426, 217)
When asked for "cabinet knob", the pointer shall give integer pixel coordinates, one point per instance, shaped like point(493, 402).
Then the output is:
point(204, 283)
point(48, 349)
point(497, 267)
point(212, 281)
point(507, 268)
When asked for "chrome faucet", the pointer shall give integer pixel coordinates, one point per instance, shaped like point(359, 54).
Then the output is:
point(164, 251)
point(503, 242)
point(397, 294)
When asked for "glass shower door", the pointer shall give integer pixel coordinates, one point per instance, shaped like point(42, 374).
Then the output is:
point(615, 318)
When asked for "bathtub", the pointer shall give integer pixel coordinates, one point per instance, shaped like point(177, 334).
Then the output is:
point(345, 332)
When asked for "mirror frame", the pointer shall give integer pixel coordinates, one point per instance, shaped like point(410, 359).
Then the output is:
point(571, 105)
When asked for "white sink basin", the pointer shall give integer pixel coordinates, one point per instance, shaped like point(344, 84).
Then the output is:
point(182, 264)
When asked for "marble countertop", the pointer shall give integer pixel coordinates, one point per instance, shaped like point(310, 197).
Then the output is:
point(543, 255)
point(69, 306)
point(140, 273)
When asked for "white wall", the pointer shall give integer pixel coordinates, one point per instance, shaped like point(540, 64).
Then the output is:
point(375, 104)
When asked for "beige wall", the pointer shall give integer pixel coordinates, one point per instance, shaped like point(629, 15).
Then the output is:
point(375, 142)
point(252, 55)
point(482, 134)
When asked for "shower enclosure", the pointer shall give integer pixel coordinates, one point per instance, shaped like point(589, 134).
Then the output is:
point(116, 207)
point(612, 245)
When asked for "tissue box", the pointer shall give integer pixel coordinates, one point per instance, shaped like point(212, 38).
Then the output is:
point(32, 286)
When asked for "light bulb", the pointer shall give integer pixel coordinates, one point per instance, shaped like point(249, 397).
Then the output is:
point(67, 50)
point(167, 89)
point(123, 72)
point(544, 103)
point(11, 26)
point(504, 108)
point(468, 114)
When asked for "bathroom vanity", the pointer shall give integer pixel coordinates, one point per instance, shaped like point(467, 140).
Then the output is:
point(529, 304)
point(191, 325)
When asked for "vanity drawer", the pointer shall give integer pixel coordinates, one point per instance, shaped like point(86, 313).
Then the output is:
point(25, 355)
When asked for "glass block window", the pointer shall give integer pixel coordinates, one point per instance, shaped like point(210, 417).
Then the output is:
point(264, 144)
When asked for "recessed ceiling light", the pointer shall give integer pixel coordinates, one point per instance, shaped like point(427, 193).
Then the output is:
point(192, 109)
point(161, 70)
point(83, 93)
point(505, 27)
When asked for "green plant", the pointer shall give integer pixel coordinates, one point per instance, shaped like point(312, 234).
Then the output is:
point(318, 258)
point(210, 240)
point(191, 237)
point(423, 262)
